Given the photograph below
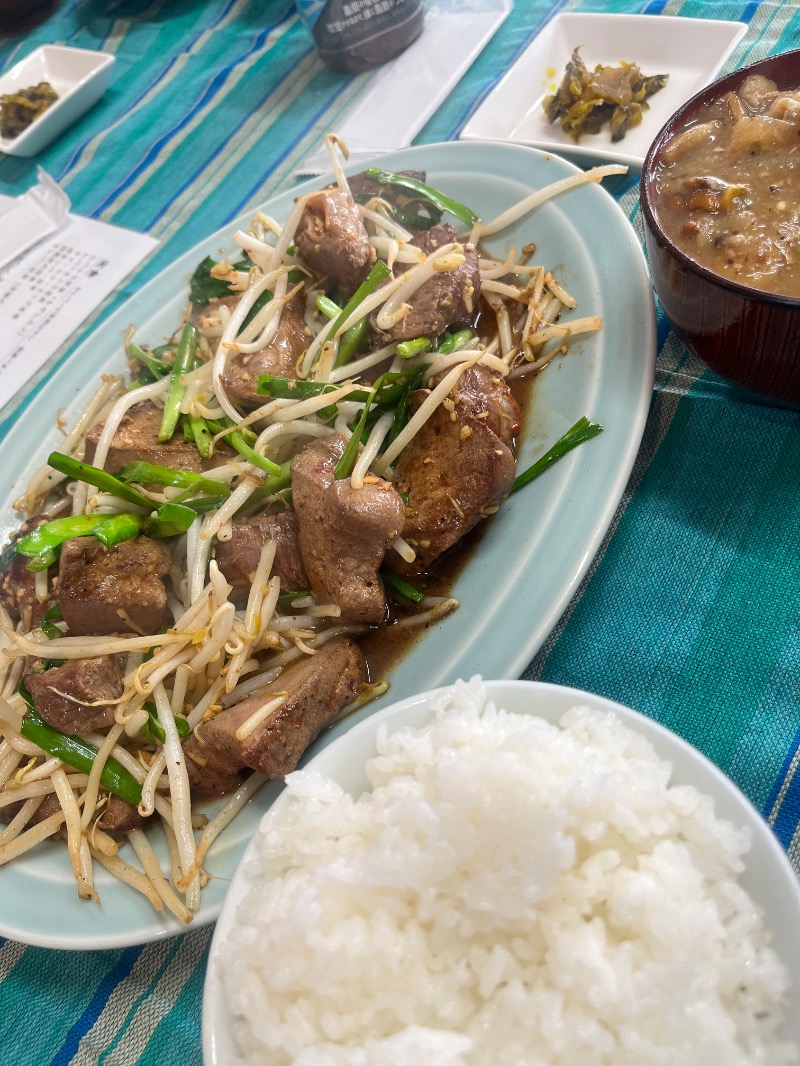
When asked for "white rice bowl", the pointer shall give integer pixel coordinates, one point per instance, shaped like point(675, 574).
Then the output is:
point(509, 892)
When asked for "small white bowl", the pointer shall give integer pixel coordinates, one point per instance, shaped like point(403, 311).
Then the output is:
point(80, 77)
point(768, 876)
point(691, 51)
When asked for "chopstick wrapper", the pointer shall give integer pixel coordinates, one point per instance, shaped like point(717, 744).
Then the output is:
point(37, 213)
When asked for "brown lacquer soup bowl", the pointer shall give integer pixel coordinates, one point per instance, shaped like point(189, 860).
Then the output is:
point(748, 335)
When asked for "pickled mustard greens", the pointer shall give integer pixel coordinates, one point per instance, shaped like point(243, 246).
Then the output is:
point(18, 110)
point(587, 99)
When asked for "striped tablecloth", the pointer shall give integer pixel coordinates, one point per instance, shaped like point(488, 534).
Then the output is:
point(690, 611)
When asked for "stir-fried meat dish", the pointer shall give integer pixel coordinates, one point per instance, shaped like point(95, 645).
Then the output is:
point(181, 611)
point(109, 590)
point(238, 557)
point(344, 533)
point(460, 466)
point(279, 357)
point(314, 689)
point(70, 697)
point(136, 440)
point(332, 239)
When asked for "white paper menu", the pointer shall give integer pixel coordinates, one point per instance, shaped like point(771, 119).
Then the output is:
point(48, 291)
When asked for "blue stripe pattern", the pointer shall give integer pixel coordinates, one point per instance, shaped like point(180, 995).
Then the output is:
point(98, 1002)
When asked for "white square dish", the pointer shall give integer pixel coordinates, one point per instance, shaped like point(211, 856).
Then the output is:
point(80, 77)
point(416, 82)
point(691, 51)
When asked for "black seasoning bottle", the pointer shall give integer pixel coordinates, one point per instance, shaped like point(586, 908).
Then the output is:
point(356, 35)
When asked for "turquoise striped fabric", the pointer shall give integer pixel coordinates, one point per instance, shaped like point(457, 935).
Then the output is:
point(689, 612)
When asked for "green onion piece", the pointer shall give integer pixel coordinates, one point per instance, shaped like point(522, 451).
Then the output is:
point(247, 434)
point(156, 368)
point(401, 411)
point(279, 482)
point(272, 486)
point(261, 301)
point(202, 505)
point(7, 556)
point(202, 436)
point(241, 440)
point(446, 342)
point(376, 275)
point(118, 527)
point(390, 387)
point(401, 588)
point(294, 389)
point(171, 519)
point(152, 729)
point(419, 214)
point(238, 443)
point(92, 475)
point(351, 339)
point(438, 199)
point(344, 467)
point(456, 341)
point(48, 618)
point(40, 544)
point(151, 474)
point(184, 362)
point(582, 431)
point(327, 306)
point(350, 342)
point(391, 390)
point(204, 287)
point(80, 754)
point(286, 599)
point(185, 428)
point(452, 342)
point(408, 348)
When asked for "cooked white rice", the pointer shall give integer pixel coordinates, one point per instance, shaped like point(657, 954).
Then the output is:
point(510, 892)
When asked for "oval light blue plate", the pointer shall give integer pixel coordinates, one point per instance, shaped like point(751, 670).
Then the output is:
point(531, 558)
